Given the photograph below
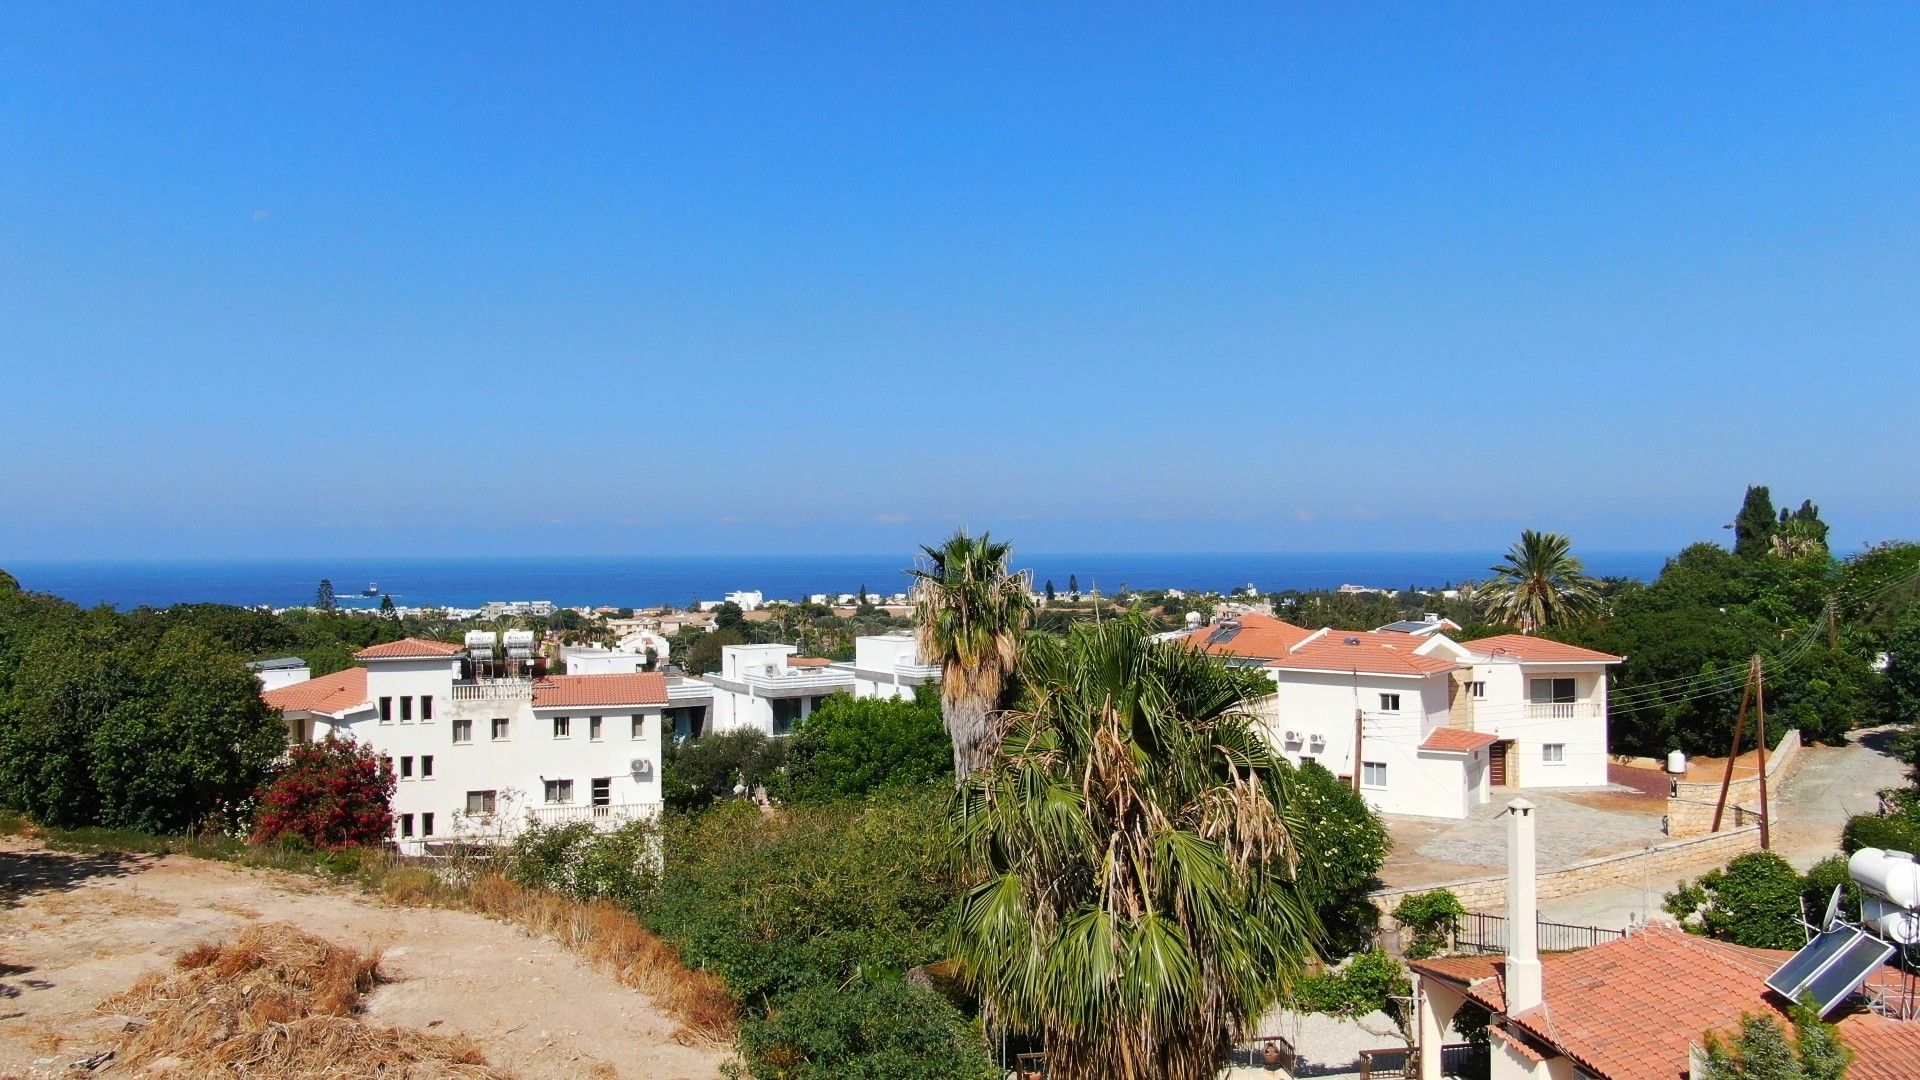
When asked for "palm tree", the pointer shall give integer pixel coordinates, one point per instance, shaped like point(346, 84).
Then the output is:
point(971, 612)
point(1137, 905)
point(1539, 584)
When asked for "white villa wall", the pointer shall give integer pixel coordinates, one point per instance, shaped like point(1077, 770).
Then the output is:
point(1323, 704)
point(1505, 712)
point(875, 658)
point(275, 678)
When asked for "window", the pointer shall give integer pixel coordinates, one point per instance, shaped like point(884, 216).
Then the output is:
point(1373, 774)
point(386, 710)
point(559, 791)
point(426, 766)
point(1477, 688)
point(786, 713)
point(562, 727)
point(1554, 753)
point(1305, 758)
point(689, 721)
point(593, 728)
point(1389, 702)
point(406, 767)
point(406, 709)
point(602, 790)
point(499, 729)
point(426, 824)
point(1550, 691)
point(406, 825)
point(426, 707)
point(480, 802)
point(462, 731)
point(639, 725)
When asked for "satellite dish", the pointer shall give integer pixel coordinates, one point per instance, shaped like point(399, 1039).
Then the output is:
point(1833, 910)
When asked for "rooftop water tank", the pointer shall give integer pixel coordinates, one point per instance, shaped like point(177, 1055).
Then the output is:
point(1677, 763)
point(480, 641)
point(519, 639)
point(1890, 875)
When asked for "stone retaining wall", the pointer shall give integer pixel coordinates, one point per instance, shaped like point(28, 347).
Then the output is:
point(1691, 803)
point(1660, 866)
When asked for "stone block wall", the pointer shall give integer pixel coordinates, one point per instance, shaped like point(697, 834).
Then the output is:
point(1691, 804)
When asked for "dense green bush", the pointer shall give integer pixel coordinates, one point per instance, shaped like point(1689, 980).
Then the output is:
point(814, 895)
point(851, 747)
point(1343, 844)
point(578, 860)
point(1367, 983)
point(697, 772)
point(1754, 901)
point(883, 1028)
point(1816, 887)
point(1892, 832)
point(1433, 916)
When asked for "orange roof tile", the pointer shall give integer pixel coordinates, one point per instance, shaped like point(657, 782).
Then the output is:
point(807, 661)
point(1261, 637)
point(1629, 1009)
point(639, 688)
point(408, 649)
point(330, 694)
point(1370, 651)
point(1529, 649)
point(1457, 740)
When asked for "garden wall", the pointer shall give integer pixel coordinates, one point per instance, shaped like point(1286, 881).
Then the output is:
point(1691, 803)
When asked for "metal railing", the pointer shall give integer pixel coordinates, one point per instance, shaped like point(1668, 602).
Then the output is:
point(1456, 1059)
point(494, 690)
point(609, 813)
point(1478, 932)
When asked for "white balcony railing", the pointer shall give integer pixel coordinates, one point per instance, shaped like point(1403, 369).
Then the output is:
point(688, 690)
point(827, 681)
point(1564, 710)
point(494, 690)
point(610, 814)
point(917, 671)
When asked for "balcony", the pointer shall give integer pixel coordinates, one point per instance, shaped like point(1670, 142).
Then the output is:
point(1563, 710)
point(610, 814)
point(494, 690)
point(916, 671)
point(820, 682)
point(688, 690)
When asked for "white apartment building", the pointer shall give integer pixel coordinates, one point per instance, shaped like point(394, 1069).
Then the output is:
point(482, 744)
point(888, 666)
point(768, 689)
point(1440, 726)
point(629, 654)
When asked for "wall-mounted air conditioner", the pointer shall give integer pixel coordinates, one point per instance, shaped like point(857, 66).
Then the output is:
point(1293, 736)
point(1317, 740)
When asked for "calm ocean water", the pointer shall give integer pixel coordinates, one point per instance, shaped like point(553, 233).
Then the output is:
point(641, 581)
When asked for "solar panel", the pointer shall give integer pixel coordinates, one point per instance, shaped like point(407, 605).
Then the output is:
point(1222, 635)
point(1838, 980)
point(1795, 974)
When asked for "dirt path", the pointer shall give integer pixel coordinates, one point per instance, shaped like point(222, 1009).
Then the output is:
point(75, 929)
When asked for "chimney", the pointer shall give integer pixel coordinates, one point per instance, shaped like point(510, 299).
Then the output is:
point(1523, 946)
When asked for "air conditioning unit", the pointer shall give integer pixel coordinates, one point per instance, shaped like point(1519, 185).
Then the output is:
point(1293, 736)
point(641, 767)
point(1317, 740)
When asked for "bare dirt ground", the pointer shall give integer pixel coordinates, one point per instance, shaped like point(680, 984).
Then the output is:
point(76, 929)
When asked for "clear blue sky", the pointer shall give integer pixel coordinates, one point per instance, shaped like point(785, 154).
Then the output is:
point(525, 279)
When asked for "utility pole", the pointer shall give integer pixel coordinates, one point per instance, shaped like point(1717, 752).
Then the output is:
point(1759, 677)
point(1739, 729)
point(1359, 727)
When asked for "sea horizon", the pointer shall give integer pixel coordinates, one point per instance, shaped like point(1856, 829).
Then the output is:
point(647, 580)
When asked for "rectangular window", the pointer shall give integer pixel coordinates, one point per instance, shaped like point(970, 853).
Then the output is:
point(1389, 702)
point(480, 802)
point(602, 790)
point(386, 710)
point(426, 766)
point(1550, 691)
point(406, 825)
point(559, 791)
point(406, 709)
point(1477, 689)
point(406, 767)
point(786, 714)
point(593, 728)
point(426, 824)
point(1373, 774)
point(639, 726)
point(1554, 753)
point(426, 706)
point(462, 731)
point(562, 727)
point(499, 729)
point(1305, 758)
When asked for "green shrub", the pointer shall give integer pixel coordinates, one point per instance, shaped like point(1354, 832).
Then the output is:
point(1344, 845)
point(1433, 916)
point(580, 861)
point(1816, 888)
point(1893, 833)
point(1368, 983)
point(1754, 901)
point(852, 747)
point(885, 1028)
point(697, 772)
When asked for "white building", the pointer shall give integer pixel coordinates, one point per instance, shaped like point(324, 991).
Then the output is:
point(501, 609)
point(641, 650)
point(481, 747)
point(1440, 725)
point(285, 671)
point(888, 666)
point(768, 689)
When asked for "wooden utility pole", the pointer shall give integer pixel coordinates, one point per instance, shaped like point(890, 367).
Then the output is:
point(1359, 727)
point(1759, 677)
point(1739, 729)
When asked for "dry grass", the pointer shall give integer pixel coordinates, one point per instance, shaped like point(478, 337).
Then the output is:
point(277, 1004)
point(613, 939)
point(91, 903)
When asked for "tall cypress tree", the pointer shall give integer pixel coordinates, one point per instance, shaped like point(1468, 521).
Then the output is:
point(1753, 530)
point(323, 596)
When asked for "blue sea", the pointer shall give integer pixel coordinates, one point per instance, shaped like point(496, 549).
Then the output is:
point(644, 581)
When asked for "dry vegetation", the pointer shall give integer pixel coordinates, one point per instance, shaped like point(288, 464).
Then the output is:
point(277, 1003)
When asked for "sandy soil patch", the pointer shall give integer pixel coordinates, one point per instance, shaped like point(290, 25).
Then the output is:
point(76, 930)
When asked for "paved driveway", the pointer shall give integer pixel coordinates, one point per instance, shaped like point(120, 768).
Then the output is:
point(1573, 825)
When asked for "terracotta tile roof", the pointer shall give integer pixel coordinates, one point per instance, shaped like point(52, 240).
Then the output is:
point(1363, 650)
point(1520, 1044)
point(407, 649)
point(1529, 649)
point(1261, 637)
point(807, 661)
point(639, 688)
point(1629, 1009)
point(1457, 739)
point(330, 694)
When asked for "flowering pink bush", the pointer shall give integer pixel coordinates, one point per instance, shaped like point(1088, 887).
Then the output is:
point(332, 794)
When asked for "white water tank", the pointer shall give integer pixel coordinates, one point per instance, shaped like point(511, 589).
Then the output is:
point(519, 639)
point(1677, 763)
point(1890, 875)
point(480, 641)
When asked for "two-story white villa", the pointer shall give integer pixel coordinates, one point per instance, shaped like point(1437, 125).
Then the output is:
point(482, 744)
point(1432, 726)
point(888, 666)
point(767, 688)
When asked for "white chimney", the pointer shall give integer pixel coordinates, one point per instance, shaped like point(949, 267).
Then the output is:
point(1523, 945)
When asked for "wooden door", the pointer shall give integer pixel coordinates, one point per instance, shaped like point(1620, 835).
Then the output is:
point(1497, 764)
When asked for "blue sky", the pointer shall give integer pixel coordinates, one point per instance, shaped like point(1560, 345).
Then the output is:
point(737, 279)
